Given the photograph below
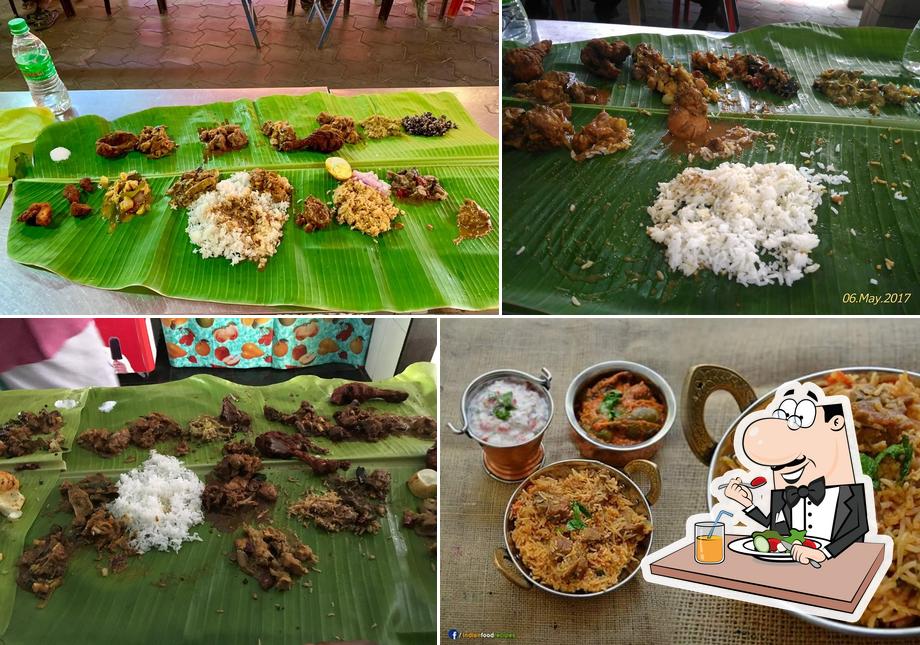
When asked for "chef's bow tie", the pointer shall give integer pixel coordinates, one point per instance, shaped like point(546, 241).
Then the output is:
point(814, 491)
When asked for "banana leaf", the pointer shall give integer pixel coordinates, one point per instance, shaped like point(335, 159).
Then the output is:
point(380, 587)
point(18, 129)
point(412, 269)
point(545, 242)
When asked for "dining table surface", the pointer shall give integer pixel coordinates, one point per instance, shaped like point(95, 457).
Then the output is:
point(571, 31)
point(475, 595)
point(34, 291)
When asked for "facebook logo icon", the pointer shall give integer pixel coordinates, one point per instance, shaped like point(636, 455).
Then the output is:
point(453, 634)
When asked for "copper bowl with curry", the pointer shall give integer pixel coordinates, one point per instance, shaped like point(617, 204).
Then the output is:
point(578, 528)
point(886, 411)
point(619, 411)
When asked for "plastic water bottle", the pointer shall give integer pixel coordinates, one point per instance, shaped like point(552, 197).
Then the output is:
point(911, 59)
point(515, 25)
point(34, 61)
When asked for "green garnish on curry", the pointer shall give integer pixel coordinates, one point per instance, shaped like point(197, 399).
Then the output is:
point(503, 408)
point(902, 452)
point(608, 406)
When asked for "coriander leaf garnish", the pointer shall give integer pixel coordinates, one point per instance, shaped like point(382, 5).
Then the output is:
point(609, 404)
point(505, 405)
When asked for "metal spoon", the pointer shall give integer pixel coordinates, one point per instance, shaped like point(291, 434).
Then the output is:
point(757, 482)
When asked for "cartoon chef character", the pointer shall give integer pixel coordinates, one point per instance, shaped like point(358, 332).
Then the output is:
point(808, 442)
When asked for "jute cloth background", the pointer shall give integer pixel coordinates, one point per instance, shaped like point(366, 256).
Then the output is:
point(475, 596)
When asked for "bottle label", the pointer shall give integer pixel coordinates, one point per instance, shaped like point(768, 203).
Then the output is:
point(36, 67)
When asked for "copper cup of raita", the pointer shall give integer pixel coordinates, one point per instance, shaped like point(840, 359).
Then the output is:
point(506, 412)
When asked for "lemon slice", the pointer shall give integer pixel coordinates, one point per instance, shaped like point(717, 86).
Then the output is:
point(338, 168)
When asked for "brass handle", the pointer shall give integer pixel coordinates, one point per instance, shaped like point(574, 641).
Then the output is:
point(701, 382)
point(502, 562)
point(650, 471)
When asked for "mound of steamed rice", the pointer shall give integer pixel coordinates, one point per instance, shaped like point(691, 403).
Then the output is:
point(236, 222)
point(570, 559)
point(751, 223)
point(160, 500)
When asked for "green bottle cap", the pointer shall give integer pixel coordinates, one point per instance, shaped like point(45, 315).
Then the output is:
point(18, 26)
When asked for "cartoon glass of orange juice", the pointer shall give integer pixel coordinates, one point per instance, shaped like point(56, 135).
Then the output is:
point(709, 542)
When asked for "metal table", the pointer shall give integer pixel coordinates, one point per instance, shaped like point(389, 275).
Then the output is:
point(27, 290)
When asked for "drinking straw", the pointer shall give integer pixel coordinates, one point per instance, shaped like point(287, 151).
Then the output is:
point(714, 524)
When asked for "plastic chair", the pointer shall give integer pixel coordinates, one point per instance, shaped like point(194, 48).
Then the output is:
point(731, 14)
point(252, 19)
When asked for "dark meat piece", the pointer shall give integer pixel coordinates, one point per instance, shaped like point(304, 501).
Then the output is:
point(306, 419)
point(87, 185)
point(237, 466)
point(576, 569)
point(562, 546)
point(537, 129)
point(591, 534)
point(273, 557)
point(116, 144)
point(240, 448)
point(344, 125)
point(238, 485)
point(24, 434)
point(105, 443)
point(425, 522)
point(29, 466)
point(98, 487)
point(349, 504)
point(80, 210)
point(282, 137)
point(71, 193)
point(602, 136)
point(266, 181)
point(367, 424)
point(603, 58)
point(154, 427)
point(37, 214)
point(558, 512)
point(526, 63)
point(225, 137)
point(238, 420)
point(80, 504)
point(361, 392)
point(315, 216)
point(154, 142)
point(431, 457)
point(324, 139)
point(43, 565)
point(280, 445)
point(108, 533)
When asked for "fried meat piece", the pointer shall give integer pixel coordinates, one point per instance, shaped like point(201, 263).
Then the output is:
point(271, 556)
point(315, 216)
point(116, 144)
point(361, 392)
point(37, 214)
point(537, 129)
point(526, 63)
point(105, 443)
point(367, 424)
point(305, 419)
point(604, 58)
point(604, 135)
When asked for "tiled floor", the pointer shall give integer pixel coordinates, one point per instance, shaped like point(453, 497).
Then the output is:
point(206, 43)
point(752, 13)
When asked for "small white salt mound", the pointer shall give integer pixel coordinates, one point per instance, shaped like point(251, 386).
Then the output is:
point(59, 154)
point(107, 406)
point(65, 404)
point(161, 501)
point(751, 223)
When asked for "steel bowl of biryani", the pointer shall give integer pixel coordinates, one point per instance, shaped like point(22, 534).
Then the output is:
point(619, 411)
point(507, 411)
point(886, 412)
point(578, 528)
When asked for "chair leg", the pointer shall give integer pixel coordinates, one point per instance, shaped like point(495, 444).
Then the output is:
point(68, 8)
point(329, 21)
point(730, 16)
point(347, 6)
point(108, 7)
point(290, 7)
point(247, 9)
point(161, 7)
point(13, 8)
point(440, 15)
point(675, 13)
point(686, 12)
point(385, 7)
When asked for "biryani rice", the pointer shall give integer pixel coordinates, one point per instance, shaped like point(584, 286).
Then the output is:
point(592, 565)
